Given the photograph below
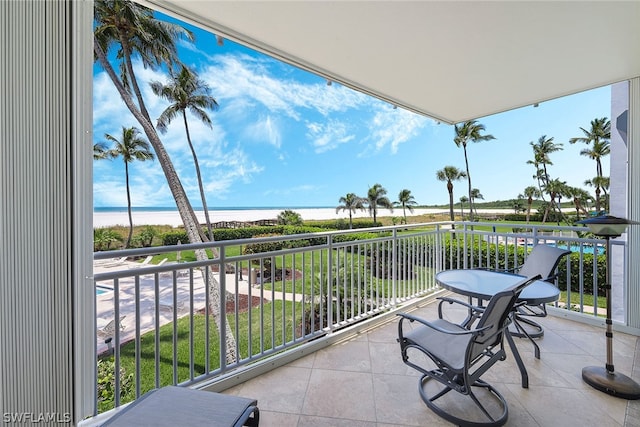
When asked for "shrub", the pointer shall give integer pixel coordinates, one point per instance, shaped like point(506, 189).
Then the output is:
point(103, 238)
point(172, 237)
point(107, 381)
point(289, 217)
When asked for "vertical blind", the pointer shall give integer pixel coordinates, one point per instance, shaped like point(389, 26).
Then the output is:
point(36, 200)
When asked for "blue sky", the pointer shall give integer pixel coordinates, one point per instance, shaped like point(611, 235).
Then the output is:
point(283, 138)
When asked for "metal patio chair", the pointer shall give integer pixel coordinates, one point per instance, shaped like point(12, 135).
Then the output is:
point(542, 260)
point(461, 354)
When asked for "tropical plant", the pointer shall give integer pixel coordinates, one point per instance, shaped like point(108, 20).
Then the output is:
point(530, 193)
point(99, 151)
point(103, 238)
point(351, 203)
point(407, 201)
point(130, 147)
point(465, 132)
point(186, 91)
point(475, 195)
point(463, 200)
point(598, 139)
point(377, 196)
point(541, 150)
point(133, 31)
point(580, 198)
point(448, 175)
point(289, 217)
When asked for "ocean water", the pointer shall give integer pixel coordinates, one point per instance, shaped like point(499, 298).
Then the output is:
point(119, 209)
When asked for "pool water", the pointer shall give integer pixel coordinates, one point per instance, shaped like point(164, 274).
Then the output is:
point(101, 290)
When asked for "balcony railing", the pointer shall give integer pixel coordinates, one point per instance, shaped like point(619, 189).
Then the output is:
point(155, 326)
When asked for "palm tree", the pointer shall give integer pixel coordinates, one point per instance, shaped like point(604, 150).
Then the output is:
point(448, 175)
point(406, 200)
point(130, 147)
point(599, 136)
point(187, 92)
point(376, 196)
point(350, 203)
point(469, 131)
point(541, 150)
point(132, 30)
point(556, 189)
point(99, 151)
point(475, 194)
point(530, 193)
point(601, 184)
point(463, 200)
point(580, 197)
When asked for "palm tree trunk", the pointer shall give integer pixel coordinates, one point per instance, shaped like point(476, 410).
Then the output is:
point(466, 164)
point(126, 179)
point(197, 165)
point(182, 202)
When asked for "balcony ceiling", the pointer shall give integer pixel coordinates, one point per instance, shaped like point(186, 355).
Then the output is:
point(450, 60)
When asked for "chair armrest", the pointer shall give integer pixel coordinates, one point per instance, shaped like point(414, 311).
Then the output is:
point(474, 311)
point(411, 318)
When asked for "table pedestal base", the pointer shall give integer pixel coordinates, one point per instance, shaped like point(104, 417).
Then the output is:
point(612, 383)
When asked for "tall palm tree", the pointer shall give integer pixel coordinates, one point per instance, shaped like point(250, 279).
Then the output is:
point(580, 197)
point(350, 203)
point(555, 189)
point(530, 193)
point(599, 135)
point(541, 151)
point(469, 131)
point(130, 147)
point(448, 175)
point(407, 201)
point(377, 196)
point(187, 92)
point(132, 31)
point(598, 139)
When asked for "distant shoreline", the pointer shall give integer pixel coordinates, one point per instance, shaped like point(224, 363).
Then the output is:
point(157, 216)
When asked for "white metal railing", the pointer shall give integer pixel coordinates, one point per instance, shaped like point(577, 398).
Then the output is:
point(154, 322)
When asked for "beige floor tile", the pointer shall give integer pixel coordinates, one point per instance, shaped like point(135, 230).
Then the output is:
point(346, 356)
point(340, 394)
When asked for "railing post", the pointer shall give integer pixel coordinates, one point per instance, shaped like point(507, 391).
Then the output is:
point(394, 270)
point(223, 306)
point(330, 282)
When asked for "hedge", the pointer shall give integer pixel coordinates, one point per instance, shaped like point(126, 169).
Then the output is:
point(480, 251)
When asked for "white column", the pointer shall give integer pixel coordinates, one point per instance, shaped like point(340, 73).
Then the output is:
point(633, 207)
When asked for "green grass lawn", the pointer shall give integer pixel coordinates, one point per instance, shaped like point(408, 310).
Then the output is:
point(273, 335)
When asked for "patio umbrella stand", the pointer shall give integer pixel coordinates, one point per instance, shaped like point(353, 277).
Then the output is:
point(605, 378)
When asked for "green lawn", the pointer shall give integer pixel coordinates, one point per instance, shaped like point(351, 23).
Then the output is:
point(273, 334)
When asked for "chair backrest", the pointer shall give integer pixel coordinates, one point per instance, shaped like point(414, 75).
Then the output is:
point(542, 260)
point(496, 315)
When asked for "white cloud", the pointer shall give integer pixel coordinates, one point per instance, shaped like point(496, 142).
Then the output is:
point(241, 78)
point(328, 136)
point(391, 127)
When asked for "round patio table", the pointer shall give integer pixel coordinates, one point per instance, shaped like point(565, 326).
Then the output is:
point(483, 284)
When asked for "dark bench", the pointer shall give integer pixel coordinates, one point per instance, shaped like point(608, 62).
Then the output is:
point(179, 406)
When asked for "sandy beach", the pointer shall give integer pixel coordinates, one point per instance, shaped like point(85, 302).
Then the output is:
point(172, 218)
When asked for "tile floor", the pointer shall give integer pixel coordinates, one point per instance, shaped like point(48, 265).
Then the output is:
point(363, 382)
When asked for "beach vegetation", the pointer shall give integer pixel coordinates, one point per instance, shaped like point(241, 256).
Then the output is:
point(449, 174)
point(405, 201)
point(105, 238)
point(132, 31)
point(289, 217)
point(186, 91)
point(106, 369)
point(351, 203)
point(130, 147)
point(469, 131)
point(377, 196)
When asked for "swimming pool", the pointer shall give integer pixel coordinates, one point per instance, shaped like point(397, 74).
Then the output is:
point(585, 249)
point(102, 290)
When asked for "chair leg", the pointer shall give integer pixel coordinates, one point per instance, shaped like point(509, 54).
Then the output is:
point(519, 362)
point(491, 420)
point(521, 332)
